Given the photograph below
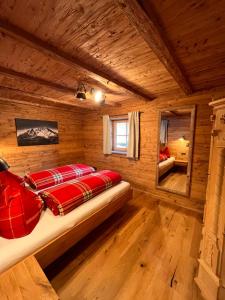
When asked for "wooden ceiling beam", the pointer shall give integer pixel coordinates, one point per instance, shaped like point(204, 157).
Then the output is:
point(173, 113)
point(18, 95)
point(72, 62)
point(53, 86)
point(148, 28)
point(35, 80)
point(14, 95)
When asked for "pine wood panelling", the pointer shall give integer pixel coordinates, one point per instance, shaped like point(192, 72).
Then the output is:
point(187, 37)
point(64, 58)
point(195, 31)
point(77, 126)
point(142, 173)
point(33, 158)
point(148, 28)
point(97, 33)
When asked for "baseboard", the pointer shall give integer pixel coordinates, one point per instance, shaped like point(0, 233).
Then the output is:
point(191, 207)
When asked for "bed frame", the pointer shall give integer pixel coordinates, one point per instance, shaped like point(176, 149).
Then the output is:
point(34, 280)
point(54, 249)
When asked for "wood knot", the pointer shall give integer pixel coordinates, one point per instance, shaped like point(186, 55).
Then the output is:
point(142, 265)
point(122, 4)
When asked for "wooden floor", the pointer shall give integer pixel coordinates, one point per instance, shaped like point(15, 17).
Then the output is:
point(175, 180)
point(145, 251)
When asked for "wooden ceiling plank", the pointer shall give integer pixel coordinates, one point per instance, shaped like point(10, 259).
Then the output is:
point(58, 55)
point(11, 93)
point(173, 113)
point(149, 30)
point(56, 87)
point(14, 74)
point(36, 102)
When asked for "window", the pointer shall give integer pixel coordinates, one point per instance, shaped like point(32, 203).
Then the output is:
point(120, 134)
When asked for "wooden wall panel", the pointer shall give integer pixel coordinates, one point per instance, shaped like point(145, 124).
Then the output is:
point(81, 140)
point(33, 158)
point(142, 173)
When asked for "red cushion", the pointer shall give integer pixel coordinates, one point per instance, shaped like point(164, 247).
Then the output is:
point(162, 157)
point(20, 209)
point(46, 178)
point(166, 152)
point(65, 197)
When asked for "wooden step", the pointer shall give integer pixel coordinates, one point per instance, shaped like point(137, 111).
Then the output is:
point(26, 280)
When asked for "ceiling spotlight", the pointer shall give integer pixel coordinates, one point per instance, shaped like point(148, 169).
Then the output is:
point(81, 92)
point(99, 96)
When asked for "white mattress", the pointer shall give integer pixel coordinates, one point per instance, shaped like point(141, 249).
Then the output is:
point(50, 226)
point(167, 162)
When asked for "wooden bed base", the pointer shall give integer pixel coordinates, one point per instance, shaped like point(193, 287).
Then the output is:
point(26, 279)
point(54, 249)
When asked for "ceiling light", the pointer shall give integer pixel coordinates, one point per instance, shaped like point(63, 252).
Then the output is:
point(81, 92)
point(98, 96)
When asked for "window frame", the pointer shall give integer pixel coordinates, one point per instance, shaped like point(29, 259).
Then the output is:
point(119, 119)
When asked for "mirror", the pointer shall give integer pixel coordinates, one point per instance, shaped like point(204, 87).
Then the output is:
point(175, 144)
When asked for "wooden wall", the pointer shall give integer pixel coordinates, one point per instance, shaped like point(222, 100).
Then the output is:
point(142, 173)
point(80, 133)
point(32, 158)
point(179, 126)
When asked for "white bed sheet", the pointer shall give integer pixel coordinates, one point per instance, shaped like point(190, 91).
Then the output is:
point(50, 226)
point(168, 161)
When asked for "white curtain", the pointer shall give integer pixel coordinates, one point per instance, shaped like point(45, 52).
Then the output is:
point(107, 135)
point(133, 135)
point(164, 132)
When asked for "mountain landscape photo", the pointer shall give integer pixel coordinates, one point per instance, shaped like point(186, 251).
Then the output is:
point(35, 132)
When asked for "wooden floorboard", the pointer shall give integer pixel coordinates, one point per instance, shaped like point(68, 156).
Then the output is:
point(176, 181)
point(144, 251)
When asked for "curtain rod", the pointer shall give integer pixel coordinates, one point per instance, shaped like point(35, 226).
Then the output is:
point(122, 115)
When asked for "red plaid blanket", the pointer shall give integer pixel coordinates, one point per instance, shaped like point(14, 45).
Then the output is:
point(20, 209)
point(65, 197)
point(46, 178)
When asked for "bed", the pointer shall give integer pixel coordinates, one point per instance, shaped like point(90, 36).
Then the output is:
point(166, 165)
point(54, 235)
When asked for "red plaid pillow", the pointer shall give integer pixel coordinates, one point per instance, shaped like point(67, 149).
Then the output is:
point(46, 178)
point(65, 197)
point(162, 157)
point(165, 152)
point(20, 209)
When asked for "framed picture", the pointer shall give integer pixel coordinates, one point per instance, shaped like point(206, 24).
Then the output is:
point(36, 132)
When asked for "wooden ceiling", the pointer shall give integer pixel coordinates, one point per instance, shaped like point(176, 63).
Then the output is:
point(127, 48)
point(177, 113)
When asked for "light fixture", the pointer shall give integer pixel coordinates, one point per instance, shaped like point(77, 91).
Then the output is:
point(99, 96)
point(3, 165)
point(182, 138)
point(81, 92)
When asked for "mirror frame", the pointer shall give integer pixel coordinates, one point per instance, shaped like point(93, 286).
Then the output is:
point(190, 154)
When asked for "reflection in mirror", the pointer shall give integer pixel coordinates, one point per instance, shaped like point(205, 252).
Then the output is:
point(176, 128)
